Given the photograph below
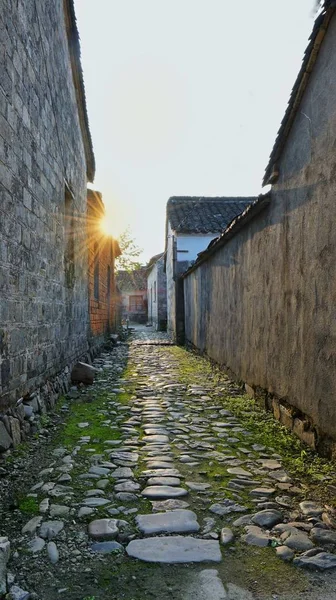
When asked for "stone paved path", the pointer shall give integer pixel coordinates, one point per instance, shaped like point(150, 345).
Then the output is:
point(153, 489)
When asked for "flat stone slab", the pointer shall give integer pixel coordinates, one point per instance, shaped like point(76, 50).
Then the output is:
point(99, 471)
point(239, 472)
point(107, 547)
point(175, 521)
point(280, 476)
point(174, 481)
point(171, 504)
point(127, 486)
point(156, 431)
point(59, 510)
point(156, 439)
point(32, 525)
point(159, 464)
point(50, 529)
point(93, 502)
point(174, 549)
point(284, 553)
point(205, 585)
point(163, 491)
point(256, 536)
point(122, 473)
point(226, 536)
point(130, 457)
point(222, 509)
point(270, 464)
point(297, 540)
point(197, 487)
point(126, 497)
point(36, 545)
point(103, 529)
point(321, 561)
point(262, 491)
point(310, 509)
point(267, 518)
point(323, 536)
point(161, 473)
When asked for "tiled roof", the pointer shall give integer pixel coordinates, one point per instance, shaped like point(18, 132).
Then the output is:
point(235, 226)
point(308, 62)
point(194, 214)
point(152, 261)
point(132, 280)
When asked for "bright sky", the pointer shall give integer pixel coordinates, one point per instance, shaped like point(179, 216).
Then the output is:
point(185, 97)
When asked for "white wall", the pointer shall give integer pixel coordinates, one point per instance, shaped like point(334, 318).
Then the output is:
point(152, 303)
point(194, 244)
point(170, 283)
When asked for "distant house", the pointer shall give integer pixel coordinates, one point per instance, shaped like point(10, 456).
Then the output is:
point(191, 223)
point(102, 252)
point(157, 292)
point(133, 289)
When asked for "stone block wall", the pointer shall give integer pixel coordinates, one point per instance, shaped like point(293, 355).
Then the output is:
point(43, 311)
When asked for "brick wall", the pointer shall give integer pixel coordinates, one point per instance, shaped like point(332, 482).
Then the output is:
point(101, 276)
point(43, 313)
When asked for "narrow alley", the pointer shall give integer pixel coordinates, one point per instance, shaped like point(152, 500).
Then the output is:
point(148, 485)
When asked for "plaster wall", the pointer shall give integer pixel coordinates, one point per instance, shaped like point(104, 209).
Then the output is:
point(157, 303)
point(188, 246)
point(187, 249)
point(264, 304)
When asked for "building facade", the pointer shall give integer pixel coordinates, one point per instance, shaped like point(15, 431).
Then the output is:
point(191, 224)
point(102, 252)
point(266, 290)
point(46, 160)
point(157, 293)
point(132, 286)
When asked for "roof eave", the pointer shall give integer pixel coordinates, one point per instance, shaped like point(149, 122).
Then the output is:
point(231, 230)
point(311, 54)
point(77, 74)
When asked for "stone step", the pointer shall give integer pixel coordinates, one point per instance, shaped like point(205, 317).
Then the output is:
point(174, 549)
point(174, 521)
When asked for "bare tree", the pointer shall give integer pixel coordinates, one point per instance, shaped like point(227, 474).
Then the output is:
point(130, 252)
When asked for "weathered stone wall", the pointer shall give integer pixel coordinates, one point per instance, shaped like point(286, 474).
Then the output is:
point(43, 307)
point(264, 304)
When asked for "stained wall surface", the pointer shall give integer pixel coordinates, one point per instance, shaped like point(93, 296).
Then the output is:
point(264, 303)
point(43, 253)
point(157, 296)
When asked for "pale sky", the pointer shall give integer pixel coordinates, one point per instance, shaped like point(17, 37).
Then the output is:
point(185, 97)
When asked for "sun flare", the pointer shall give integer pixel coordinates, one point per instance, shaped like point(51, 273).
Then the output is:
point(106, 225)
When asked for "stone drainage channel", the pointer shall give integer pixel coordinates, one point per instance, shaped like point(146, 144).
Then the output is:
point(147, 496)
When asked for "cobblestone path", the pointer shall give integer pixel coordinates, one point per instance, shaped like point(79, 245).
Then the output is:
point(152, 488)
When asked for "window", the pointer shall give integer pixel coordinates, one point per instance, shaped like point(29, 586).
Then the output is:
point(69, 238)
point(154, 291)
point(96, 271)
point(136, 304)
